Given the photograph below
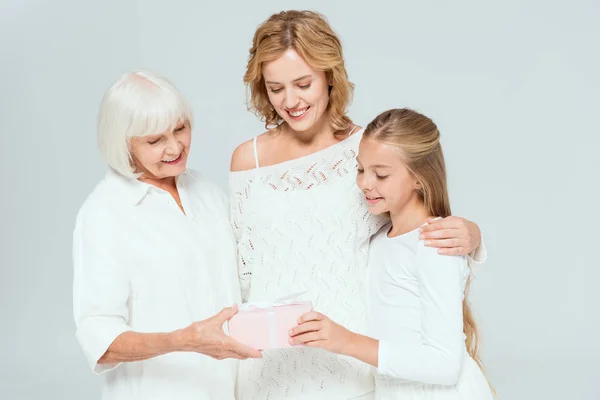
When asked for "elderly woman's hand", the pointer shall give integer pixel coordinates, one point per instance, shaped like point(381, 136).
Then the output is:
point(207, 337)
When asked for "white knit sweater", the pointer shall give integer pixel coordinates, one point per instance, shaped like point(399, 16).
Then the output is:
point(303, 225)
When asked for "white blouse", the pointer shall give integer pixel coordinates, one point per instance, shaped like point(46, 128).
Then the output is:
point(142, 265)
point(415, 311)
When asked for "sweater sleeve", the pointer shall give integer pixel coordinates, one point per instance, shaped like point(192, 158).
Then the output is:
point(239, 194)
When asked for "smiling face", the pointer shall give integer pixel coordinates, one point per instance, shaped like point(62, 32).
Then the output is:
point(299, 93)
point(162, 155)
point(384, 178)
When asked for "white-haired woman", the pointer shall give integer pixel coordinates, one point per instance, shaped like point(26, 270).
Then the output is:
point(154, 255)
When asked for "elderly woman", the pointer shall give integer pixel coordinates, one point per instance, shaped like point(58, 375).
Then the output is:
point(154, 256)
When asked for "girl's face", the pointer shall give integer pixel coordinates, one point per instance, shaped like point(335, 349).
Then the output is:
point(299, 93)
point(163, 155)
point(382, 175)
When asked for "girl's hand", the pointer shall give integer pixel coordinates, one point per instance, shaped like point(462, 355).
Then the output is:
point(317, 330)
point(453, 236)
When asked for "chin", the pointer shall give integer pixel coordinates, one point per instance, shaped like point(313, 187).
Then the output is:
point(304, 125)
point(172, 172)
point(300, 126)
point(377, 210)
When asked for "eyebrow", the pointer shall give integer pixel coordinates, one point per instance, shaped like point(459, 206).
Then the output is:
point(376, 165)
point(295, 80)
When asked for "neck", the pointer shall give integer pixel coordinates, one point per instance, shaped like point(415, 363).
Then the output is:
point(410, 217)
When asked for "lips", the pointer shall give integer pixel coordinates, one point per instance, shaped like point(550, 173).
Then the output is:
point(173, 160)
point(373, 200)
point(298, 113)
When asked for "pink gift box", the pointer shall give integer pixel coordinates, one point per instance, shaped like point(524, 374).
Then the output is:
point(266, 326)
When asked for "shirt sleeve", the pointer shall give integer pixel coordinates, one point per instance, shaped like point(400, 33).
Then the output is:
point(100, 289)
point(433, 354)
point(239, 192)
point(479, 255)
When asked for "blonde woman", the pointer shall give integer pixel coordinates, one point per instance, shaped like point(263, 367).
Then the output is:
point(300, 222)
point(422, 336)
point(154, 256)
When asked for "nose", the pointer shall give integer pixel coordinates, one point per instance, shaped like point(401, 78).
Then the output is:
point(291, 99)
point(174, 146)
point(363, 182)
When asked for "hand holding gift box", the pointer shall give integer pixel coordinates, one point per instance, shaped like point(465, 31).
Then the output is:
point(266, 325)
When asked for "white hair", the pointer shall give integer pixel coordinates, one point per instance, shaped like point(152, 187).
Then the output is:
point(140, 103)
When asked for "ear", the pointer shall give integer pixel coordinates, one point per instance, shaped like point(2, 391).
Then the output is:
point(329, 76)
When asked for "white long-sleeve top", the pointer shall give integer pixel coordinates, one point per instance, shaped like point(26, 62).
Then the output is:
point(142, 265)
point(415, 310)
point(303, 225)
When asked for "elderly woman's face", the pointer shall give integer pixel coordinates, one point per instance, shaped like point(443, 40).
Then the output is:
point(164, 155)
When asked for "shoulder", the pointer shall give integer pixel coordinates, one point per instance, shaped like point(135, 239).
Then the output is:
point(206, 194)
point(99, 208)
point(201, 185)
point(381, 233)
point(429, 256)
point(243, 156)
point(354, 137)
point(100, 199)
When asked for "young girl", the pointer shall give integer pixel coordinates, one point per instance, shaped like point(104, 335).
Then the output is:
point(418, 313)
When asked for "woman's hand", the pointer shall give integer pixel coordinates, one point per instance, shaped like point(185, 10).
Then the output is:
point(207, 337)
point(317, 330)
point(452, 235)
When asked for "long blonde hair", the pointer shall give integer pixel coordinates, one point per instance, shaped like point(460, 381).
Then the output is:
point(418, 138)
point(309, 34)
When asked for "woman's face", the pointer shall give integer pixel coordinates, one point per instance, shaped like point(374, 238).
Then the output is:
point(299, 93)
point(163, 155)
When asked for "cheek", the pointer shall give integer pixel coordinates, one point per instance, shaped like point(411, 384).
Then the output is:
point(274, 99)
point(150, 156)
point(186, 139)
point(320, 96)
point(390, 187)
point(400, 190)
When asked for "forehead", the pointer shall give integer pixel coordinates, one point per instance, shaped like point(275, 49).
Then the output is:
point(286, 68)
point(371, 152)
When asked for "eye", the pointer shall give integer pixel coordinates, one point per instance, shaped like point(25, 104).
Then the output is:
point(304, 86)
point(381, 176)
point(180, 128)
point(275, 90)
point(154, 141)
point(360, 170)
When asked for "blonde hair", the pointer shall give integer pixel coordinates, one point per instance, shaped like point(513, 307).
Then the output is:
point(140, 103)
point(418, 138)
point(309, 34)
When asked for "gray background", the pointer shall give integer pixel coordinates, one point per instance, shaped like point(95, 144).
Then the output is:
point(513, 86)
